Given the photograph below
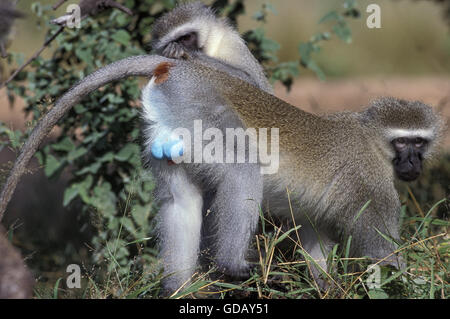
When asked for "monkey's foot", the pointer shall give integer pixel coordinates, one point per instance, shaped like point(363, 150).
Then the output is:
point(241, 271)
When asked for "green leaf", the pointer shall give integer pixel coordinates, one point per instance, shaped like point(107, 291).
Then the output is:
point(82, 189)
point(331, 16)
point(128, 224)
point(69, 194)
point(122, 36)
point(305, 50)
point(349, 4)
point(127, 152)
point(93, 169)
point(65, 145)
point(343, 32)
point(314, 67)
point(104, 199)
point(55, 289)
point(84, 55)
point(51, 165)
point(76, 153)
point(140, 215)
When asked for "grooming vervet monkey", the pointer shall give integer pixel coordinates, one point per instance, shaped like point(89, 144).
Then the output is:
point(193, 27)
point(332, 165)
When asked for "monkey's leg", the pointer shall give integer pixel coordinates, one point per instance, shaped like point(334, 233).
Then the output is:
point(179, 229)
point(379, 217)
point(318, 245)
point(236, 209)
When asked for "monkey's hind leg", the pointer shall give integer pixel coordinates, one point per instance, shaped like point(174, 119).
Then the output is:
point(318, 245)
point(236, 209)
point(180, 228)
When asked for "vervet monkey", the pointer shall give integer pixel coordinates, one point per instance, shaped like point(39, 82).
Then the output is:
point(333, 165)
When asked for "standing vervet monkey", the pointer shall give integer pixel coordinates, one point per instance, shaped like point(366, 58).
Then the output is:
point(333, 165)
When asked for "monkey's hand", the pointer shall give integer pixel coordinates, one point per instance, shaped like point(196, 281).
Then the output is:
point(167, 146)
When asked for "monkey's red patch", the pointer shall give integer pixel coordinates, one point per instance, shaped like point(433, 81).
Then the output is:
point(170, 162)
point(161, 72)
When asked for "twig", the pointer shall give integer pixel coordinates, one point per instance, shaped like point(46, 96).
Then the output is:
point(34, 57)
point(57, 5)
point(119, 6)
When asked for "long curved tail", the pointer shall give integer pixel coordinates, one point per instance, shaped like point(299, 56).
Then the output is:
point(143, 65)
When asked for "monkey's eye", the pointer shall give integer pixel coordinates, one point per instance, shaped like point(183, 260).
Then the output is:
point(419, 142)
point(189, 40)
point(399, 143)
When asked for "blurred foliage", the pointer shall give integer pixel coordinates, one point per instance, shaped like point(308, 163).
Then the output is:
point(340, 29)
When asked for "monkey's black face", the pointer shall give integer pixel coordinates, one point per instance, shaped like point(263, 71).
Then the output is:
point(409, 156)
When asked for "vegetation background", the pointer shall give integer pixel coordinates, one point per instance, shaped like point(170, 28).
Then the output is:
point(88, 201)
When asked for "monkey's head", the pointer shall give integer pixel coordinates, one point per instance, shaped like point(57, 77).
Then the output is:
point(186, 29)
point(192, 28)
point(410, 133)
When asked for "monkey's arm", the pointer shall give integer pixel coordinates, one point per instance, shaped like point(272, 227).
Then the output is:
point(134, 66)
